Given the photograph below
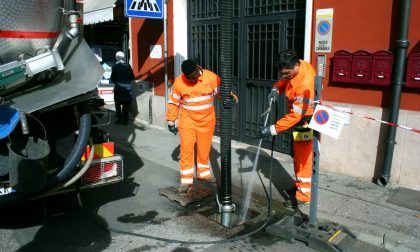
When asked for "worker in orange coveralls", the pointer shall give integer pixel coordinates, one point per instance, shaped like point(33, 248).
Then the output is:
point(191, 102)
point(297, 83)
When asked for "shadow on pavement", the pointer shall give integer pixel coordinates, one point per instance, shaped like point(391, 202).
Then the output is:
point(279, 176)
point(65, 228)
point(65, 221)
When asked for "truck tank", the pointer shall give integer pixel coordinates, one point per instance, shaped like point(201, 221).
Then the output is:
point(28, 27)
point(48, 80)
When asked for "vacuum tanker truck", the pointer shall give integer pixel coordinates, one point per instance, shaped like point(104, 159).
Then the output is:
point(50, 114)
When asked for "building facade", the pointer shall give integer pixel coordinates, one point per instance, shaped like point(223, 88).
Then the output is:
point(340, 33)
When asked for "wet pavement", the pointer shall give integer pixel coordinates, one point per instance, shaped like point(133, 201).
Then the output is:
point(359, 205)
point(134, 216)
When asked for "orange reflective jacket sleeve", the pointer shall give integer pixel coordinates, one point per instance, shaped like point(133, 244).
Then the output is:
point(297, 111)
point(173, 102)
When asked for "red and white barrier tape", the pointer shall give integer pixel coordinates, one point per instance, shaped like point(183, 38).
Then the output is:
point(370, 118)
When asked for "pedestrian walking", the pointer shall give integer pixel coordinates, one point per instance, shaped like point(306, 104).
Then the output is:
point(122, 76)
point(191, 103)
point(297, 83)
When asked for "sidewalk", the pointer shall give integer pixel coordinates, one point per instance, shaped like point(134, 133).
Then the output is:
point(359, 205)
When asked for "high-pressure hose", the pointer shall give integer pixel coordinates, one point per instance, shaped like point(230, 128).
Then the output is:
point(226, 114)
point(75, 178)
point(79, 147)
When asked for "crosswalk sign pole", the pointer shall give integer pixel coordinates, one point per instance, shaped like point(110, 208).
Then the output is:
point(165, 49)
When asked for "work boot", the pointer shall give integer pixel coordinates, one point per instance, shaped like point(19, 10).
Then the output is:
point(184, 188)
point(295, 203)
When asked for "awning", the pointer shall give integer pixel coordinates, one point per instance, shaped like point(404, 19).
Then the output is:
point(95, 11)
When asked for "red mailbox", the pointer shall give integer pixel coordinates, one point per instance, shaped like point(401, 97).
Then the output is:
point(361, 66)
point(342, 66)
point(381, 68)
point(412, 77)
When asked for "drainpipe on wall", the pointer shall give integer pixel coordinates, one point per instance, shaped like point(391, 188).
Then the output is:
point(397, 84)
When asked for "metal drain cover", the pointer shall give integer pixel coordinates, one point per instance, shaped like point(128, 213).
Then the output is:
point(406, 198)
point(196, 193)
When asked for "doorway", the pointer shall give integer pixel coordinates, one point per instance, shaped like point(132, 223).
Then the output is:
point(261, 28)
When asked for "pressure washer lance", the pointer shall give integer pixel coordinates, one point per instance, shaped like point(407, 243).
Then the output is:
point(267, 115)
point(254, 168)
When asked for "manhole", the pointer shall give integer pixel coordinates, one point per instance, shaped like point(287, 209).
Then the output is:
point(406, 198)
point(235, 218)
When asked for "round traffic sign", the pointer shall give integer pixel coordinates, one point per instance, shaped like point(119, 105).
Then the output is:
point(321, 117)
point(324, 27)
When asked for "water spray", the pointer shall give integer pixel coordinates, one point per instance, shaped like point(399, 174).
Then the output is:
point(247, 200)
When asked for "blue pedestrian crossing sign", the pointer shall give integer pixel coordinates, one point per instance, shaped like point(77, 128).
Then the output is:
point(144, 8)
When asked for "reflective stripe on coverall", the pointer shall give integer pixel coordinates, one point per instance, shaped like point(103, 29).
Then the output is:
point(192, 105)
point(300, 94)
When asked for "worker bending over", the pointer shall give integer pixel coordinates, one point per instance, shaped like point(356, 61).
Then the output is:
point(297, 83)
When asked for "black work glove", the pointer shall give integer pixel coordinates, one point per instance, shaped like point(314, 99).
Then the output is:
point(265, 132)
point(274, 95)
point(229, 102)
point(173, 129)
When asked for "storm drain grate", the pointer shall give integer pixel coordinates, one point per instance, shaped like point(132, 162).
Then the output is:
point(406, 198)
point(198, 192)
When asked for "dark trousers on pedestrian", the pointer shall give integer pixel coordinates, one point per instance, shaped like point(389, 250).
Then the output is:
point(122, 111)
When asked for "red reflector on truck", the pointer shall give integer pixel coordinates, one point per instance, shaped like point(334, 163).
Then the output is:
point(28, 34)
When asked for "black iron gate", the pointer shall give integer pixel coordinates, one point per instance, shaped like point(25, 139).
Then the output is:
point(261, 28)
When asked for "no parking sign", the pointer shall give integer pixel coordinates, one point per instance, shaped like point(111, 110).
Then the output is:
point(327, 121)
point(323, 34)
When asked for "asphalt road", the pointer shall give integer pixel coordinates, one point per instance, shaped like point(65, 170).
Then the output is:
point(128, 216)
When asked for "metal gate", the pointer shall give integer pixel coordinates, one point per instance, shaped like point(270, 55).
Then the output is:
point(261, 28)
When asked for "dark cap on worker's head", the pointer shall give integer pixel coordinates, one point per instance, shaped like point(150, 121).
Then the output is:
point(188, 66)
point(286, 59)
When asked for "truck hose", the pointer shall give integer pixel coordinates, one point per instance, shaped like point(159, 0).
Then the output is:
point(79, 148)
point(226, 30)
point(69, 167)
point(75, 178)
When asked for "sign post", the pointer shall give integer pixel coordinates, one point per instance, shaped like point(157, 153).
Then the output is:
point(155, 9)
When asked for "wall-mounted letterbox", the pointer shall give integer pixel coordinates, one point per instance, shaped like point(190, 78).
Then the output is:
point(381, 68)
point(412, 77)
point(360, 67)
point(342, 66)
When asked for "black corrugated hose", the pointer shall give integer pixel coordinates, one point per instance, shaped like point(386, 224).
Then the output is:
point(226, 30)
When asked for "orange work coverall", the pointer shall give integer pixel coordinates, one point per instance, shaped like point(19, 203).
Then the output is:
point(300, 95)
point(192, 105)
